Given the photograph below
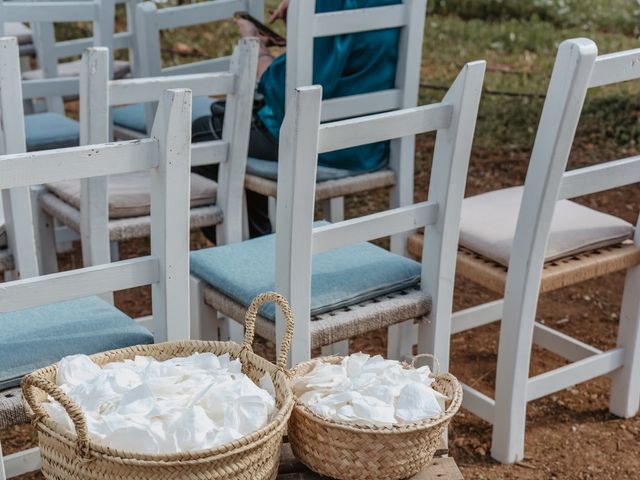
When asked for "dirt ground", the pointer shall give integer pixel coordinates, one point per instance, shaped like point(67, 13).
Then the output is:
point(570, 435)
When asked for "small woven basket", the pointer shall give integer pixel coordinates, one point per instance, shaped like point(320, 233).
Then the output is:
point(347, 451)
point(67, 455)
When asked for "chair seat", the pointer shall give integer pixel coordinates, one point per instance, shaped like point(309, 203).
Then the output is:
point(488, 224)
point(125, 228)
point(340, 277)
point(12, 411)
point(132, 117)
point(72, 69)
point(337, 325)
point(37, 337)
point(130, 194)
point(20, 31)
point(326, 189)
point(50, 130)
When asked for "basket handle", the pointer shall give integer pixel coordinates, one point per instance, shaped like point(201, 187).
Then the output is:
point(250, 324)
point(436, 362)
point(32, 383)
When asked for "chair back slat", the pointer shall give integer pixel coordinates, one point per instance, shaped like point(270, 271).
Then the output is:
point(199, 13)
point(615, 68)
point(45, 11)
point(357, 105)
point(73, 284)
point(137, 90)
point(360, 20)
point(203, 66)
point(383, 126)
point(35, 168)
point(374, 226)
point(209, 153)
point(47, 87)
point(603, 176)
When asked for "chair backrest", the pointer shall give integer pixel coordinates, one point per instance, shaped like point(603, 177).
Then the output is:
point(304, 25)
point(302, 138)
point(16, 202)
point(166, 155)
point(98, 94)
point(151, 21)
point(577, 68)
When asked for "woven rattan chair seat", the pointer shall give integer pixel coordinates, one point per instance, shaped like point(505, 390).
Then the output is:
point(330, 188)
point(125, 228)
point(339, 324)
point(556, 274)
point(12, 411)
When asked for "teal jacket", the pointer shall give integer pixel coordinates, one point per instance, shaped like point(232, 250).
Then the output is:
point(343, 65)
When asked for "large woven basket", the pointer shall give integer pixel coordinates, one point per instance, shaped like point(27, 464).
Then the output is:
point(346, 451)
point(66, 455)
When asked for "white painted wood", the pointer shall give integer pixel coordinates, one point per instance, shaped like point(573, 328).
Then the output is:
point(16, 201)
point(561, 344)
point(615, 68)
point(374, 226)
point(199, 13)
point(171, 180)
point(383, 126)
point(235, 133)
point(34, 168)
point(362, 104)
point(338, 348)
point(480, 404)
point(599, 177)
point(565, 98)
point(359, 20)
point(204, 320)
point(43, 290)
point(446, 187)
point(334, 209)
point(3, 474)
point(574, 373)
point(209, 153)
point(297, 165)
point(476, 316)
point(20, 463)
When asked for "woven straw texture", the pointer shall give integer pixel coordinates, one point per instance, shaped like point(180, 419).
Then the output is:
point(66, 455)
point(353, 452)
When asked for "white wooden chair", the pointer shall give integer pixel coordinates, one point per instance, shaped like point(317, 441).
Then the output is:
point(123, 212)
point(45, 318)
point(354, 287)
point(133, 121)
point(52, 129)
point(303, 26)
point(557, 243)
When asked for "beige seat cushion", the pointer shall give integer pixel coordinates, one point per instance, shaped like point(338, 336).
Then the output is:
point(72, 69)
point(129, 194)
point(488, 225)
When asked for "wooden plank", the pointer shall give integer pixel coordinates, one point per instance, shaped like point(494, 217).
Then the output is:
point(359, 20)
point(209, 153)
point(197, 14)
point(362, 104)
point(603, 176)
point(616, 67)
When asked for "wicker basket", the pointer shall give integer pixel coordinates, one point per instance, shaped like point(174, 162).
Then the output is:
point(346, 451)
point(66, 455)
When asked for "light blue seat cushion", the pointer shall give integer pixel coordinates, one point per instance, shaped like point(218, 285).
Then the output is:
point(37, 337)
point(132, 116)
point(50, 130)
point(340, 278)
point(269, 169)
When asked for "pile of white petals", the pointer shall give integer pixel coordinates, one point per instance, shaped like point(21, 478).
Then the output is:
point(182, 404)
point(369, 390)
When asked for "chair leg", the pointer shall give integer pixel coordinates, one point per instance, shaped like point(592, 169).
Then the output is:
point(115, 251)
point(400, 340)
point(625, 386)
point(204, 321)
point(272, 213)
point(512, 377)
point(46, 234)
point(334, 209)
point(338, 348)
point(3, 475)
point(230, 329)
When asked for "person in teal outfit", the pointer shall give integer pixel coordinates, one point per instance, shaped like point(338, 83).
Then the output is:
point(344, 65)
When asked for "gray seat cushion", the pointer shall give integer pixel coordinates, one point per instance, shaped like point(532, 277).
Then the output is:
point(130, 194)
point(37, 337)
point(72, 69)
point(269, 169)
point(341, 277)
point(50, 130)
point(488, 225)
